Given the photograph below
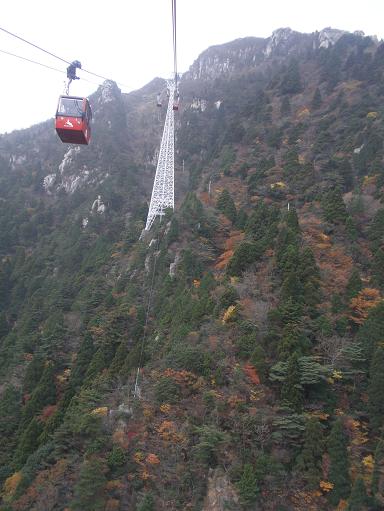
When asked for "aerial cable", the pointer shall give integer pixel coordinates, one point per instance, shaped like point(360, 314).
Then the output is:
point(34, 45)
point(56, 56)
point(174, 27)
point(136, 391)
point(40, 64)
point(32, 61)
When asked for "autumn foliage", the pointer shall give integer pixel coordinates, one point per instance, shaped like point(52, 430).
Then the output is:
point(362, 303)
point(11, 484)
point(251, 372)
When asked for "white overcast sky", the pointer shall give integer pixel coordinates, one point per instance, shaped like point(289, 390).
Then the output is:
point(130, 41)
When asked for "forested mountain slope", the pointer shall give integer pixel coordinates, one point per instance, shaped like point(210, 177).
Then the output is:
point(255, 310)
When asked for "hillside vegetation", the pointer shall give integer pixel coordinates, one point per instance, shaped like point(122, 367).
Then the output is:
point(233, 357)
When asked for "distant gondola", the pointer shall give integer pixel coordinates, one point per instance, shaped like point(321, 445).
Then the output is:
point(73, 120)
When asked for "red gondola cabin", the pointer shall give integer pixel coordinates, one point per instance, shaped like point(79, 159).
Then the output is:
point(73, 120)
point(176, 101)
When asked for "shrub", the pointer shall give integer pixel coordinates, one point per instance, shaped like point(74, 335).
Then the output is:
point(166, 390)
point(190, 358)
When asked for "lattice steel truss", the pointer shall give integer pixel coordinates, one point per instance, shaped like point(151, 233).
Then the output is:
point(163, 195)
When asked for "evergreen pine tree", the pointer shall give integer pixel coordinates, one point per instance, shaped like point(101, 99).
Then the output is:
point(292, 391)
point(33, 373)
point(290, 260)
point(310, 459)
point(334, 207)
point(309, 276)
point(351, 229)
point(371, 331)
point(292, 164)
point(344, 169)
point(339, 463)
point(28, 442)
point(89, 491)
point(378, 267)
point(226, 205)
point(308, 267)
point(247, 486)
point(358, 501)
point(354, 284)
point(83, 359)
point(286, 237)
point(147, 503)
point(316, 99)
point(291, 81)
point(245, 254)
point(84, 356)
point(376, 230)
point(378, 469)
point(100, 360)
point(292, 221)
point(285, 107)
point(4, 327)
point(376, 390)
point(43, 395)
point(10, 404)
point(241, 219)
point(291, 287)
point(258, 360)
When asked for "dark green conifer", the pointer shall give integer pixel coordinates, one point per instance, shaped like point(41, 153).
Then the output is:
point(4, 327)
point(33, 373)
point(378, 267)
point(309, 461)
point(292, 220)
point(43, 395)
point(376, 230)
point(316, 99)
point(241, 219)
point(147, 503)
point(285, 107)
point(371, 331)
point(351, 229)
point(339, 463)
point(290, 260)
point(334, 207)
point(378, 469)
point(10, 405)
point(292, 341)
point(226, 205)
point(28, 442)
point(292, 286)
point(100, 360)
point(84, 356)
point(258, 360)
point(247, 486)
point(358, 501)
point(90, 489)
point(309, 276)
point(354, 285)
point(292, 164)
point(245, 254)
point(288, 343)
point(376, 390)
point(291, 81)
point(286, 237)
point(292, 391)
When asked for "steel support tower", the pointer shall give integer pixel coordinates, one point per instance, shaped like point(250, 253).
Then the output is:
point(163, 195)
